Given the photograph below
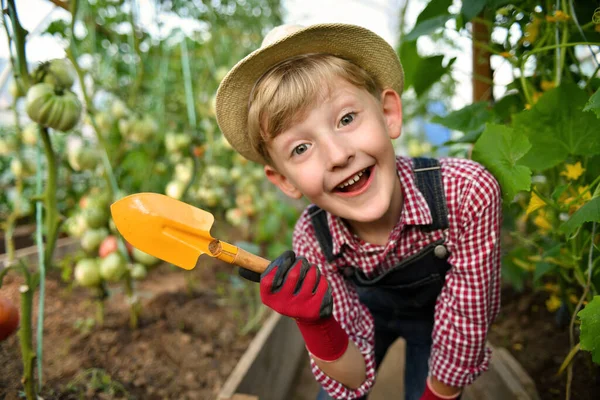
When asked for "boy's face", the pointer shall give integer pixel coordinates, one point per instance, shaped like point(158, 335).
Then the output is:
point(346, 135)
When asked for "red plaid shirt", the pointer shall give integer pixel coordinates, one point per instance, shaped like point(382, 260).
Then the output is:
point(470, 299)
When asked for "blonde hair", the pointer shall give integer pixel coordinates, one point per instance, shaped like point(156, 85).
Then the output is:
point(284, 94)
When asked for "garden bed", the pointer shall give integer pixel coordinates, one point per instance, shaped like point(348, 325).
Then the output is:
point(187, 344)
point(530, 332)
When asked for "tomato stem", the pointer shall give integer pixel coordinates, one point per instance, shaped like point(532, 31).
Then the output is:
point(50, 200)
point(11, 221)
point(134, 310)
point(25, 336)
point(19, 38)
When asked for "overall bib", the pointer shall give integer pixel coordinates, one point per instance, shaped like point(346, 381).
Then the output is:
point(402, 300)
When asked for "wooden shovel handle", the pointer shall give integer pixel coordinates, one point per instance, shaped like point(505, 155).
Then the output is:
point(238, 256)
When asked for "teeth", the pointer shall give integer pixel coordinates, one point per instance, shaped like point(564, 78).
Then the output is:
point(352, 180)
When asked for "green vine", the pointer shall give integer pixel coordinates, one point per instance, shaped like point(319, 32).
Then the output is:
point(111, 180)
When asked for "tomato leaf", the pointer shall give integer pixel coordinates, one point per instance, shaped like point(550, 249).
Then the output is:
point(557, 128)
point(594, 104)
point(590, 328)
point(590, 211)
point(499, 149)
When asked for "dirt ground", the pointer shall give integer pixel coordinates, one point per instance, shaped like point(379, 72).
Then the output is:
point(531, 333)
point(189, 341)
point(186, 345)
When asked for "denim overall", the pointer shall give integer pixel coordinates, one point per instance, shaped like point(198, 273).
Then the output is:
point(402, 300)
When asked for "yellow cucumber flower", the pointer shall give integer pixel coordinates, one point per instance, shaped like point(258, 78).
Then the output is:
point(558, 16)
point(541, 221)
point(553, 303)
point(573, 194)
point(573, 171)
point(535, 203)
point(547, 85)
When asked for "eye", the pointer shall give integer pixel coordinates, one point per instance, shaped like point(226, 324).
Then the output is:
point(347, 119)
point(300, 149)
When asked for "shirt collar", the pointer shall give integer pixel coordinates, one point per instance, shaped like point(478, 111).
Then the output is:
point(415, 210)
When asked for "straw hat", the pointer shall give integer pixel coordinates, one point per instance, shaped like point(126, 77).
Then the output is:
point(354, 43)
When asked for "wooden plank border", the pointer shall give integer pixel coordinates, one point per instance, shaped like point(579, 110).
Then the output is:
point(29, 254)
point(268, 367)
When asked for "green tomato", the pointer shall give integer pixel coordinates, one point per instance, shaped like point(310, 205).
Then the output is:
point(144, 258)
point(58, 110)
point(125, 126)
point(91, 239)
point(76, 226)
point(99, 199)
point(112, 227)
point(234, 216)
point(143, 129)
point(119, 109)
point(83, 157)
point(175, 142)
point(30, 134)
point(95, 217)
point(58, 73)
point(8, 144)
point(16, 89)
point(175, 189)
point(184, 170)
point(112, 267)
point(22, 168)
point(87, 273)
point(104, 121)
point(88, 158)
point(138, 271)
point(220, 73)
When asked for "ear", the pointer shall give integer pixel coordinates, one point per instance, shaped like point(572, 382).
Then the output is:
point(282, 182)
point(392, 112)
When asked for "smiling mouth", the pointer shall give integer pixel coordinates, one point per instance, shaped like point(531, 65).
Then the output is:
point(355, 182)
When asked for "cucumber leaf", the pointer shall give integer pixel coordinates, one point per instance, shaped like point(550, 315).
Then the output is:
point(499, 148)
point(590, 328)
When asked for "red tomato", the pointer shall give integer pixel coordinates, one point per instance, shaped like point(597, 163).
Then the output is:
point(9, 318)
point(108, 245)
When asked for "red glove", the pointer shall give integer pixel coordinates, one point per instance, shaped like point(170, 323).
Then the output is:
point(430, 394)
point(295, 288)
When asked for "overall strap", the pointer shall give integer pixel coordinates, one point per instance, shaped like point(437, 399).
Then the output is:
point(319, 220)
point(428, 178)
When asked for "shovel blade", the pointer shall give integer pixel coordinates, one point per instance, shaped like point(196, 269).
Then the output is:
point(169, 229)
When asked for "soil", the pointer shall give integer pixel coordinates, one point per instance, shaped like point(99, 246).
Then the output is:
point(188, 340)
point(186, 345)
point(540, 342)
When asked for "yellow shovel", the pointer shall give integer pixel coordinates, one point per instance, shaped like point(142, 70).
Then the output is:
point(175, 232)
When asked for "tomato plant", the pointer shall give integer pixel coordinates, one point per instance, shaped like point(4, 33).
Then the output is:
point(115, 117)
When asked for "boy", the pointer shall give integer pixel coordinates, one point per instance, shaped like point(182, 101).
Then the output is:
point(390, 246)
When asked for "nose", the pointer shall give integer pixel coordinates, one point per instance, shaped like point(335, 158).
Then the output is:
point(338, 152)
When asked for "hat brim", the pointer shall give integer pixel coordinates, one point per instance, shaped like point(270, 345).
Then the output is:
point(354, 43)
